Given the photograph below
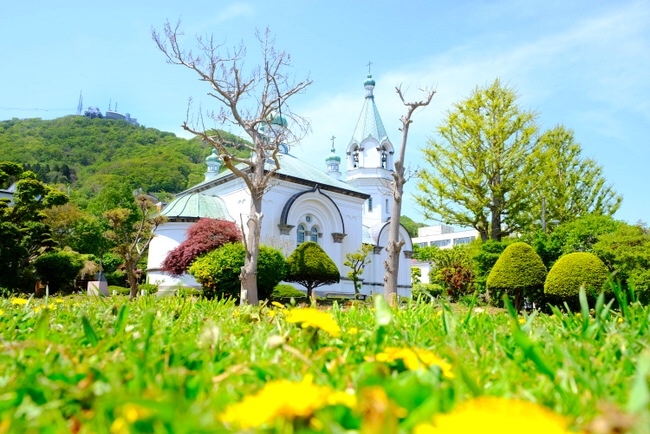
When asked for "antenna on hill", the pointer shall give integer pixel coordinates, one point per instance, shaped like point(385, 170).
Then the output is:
point(109, 104)
point(80, 106)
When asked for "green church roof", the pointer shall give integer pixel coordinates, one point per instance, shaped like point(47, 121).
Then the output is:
point(197, 205)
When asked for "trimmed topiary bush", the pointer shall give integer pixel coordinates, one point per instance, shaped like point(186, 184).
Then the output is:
point(59, 269)
point(218, 271)
point(311, 267)
point(284, 292)
point(519, 272)
point(572, 271)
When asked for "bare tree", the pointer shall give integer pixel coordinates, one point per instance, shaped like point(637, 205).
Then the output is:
point(254, 100)
point(394, 245)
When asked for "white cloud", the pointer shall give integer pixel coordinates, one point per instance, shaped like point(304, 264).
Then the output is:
point(234, 11)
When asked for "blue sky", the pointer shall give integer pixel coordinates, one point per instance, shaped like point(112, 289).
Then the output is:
point(583, 64)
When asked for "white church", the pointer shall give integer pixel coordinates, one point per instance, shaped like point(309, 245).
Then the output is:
point(304, 203)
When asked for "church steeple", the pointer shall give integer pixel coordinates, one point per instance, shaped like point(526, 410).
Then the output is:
point(213, 164)
point(370, 158)
point(333, 162)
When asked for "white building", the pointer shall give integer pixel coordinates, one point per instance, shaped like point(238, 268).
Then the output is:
point(443, 236)
point(305, 203)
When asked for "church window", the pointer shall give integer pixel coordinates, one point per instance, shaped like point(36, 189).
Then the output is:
point(384, 159)
point(370, 204)
point(314, 234)
point(300, 234)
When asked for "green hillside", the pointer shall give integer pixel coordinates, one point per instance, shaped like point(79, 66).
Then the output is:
point(84, 154)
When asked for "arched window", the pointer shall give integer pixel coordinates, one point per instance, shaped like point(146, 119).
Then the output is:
point(313, 236)
point(300, 234)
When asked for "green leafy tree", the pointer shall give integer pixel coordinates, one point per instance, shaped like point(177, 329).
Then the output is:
point(25, 236)
point(571, 186)
point(356, 262)
point(519, 272)
point(476, 172)
point(491, 170)
point(626, 252)
point(218, 270)
point(311, 267)
point(131, 236)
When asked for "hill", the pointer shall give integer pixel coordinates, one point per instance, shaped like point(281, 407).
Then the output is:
point(84, 154)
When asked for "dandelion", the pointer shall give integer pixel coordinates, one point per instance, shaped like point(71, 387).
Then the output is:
point(282, 399)
point(414, 359)
point(353, 331)
point(497, 415)
point(521, 320)
point(316, 319)
point(18, 301)
point(278, 305)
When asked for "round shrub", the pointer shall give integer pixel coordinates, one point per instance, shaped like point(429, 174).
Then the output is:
point(59, 269)
point(572, 271)
point(218, 271)
point(285, 292)
point(310, 266)
point(519, 272)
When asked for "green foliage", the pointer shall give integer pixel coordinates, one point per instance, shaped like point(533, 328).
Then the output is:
point(486, 256)
point(118, 289)
point(86, 154)
point(519, 272)
point(572, 185)
point(626, 252)
point(452, 269)
point(285, 292)
point(24, 234)
point(218, 271)
point(131, 234)
point(572, 271)
point(581, 234)
point(490, 169)
point(59, 269)
point(486, 176)
point(149, 288)
point(311, 267)
point(357, 261)
point(410, 225)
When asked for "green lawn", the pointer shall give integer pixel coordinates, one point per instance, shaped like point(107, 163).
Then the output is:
point(182, 365)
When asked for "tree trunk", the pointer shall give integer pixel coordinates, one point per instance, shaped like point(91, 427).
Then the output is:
point(131, 277)
point(394, 246)
point(248, 274)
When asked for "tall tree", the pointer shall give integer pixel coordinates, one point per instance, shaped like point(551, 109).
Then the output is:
point(477, 169)
point(568, 185)
point(131, 237)
point(256, 101)
point(394, 245)
point(24, 235)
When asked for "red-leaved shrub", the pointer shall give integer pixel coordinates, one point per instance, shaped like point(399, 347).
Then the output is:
point(202, 237)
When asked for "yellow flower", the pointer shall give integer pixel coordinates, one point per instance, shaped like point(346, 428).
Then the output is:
point(119, 426)
point(310, 317)
point(353, 331)
point(271, 313)
point(58, 300)
point(134, 412)
point(278, 305)
point(414, 359)
point(18, 301)
point(489, 415)
point(521, 320)
point(2, 312)
point(281, 399)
